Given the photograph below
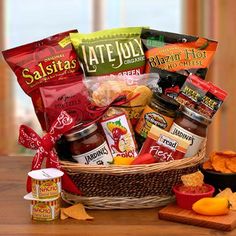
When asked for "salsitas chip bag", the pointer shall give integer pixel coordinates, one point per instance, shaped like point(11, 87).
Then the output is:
point(114, 51)
point(50, 61)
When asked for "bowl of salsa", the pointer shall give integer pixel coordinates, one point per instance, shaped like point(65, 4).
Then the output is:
point(187, 195)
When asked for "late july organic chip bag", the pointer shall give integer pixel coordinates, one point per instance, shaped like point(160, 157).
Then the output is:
point(115, 51)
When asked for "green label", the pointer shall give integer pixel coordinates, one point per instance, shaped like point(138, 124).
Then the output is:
point(112, 55)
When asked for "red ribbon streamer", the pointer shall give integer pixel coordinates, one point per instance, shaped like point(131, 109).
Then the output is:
point(44, 146)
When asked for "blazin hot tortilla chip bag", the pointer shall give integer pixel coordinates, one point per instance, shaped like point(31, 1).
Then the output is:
point(178, 53)
point(50, 61)
point(114, 51)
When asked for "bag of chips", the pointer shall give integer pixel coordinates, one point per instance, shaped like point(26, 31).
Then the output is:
point(138, 90)
point(178, 53)
point(169, 83)
point(70, 97)
point(114, 51)
point(50, 61)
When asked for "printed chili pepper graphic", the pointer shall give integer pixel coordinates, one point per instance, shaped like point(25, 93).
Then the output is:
point(201, 43)
point(117, 131)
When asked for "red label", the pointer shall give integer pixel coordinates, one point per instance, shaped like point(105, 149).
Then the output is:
point(70, 97)
point(43, 61)
point(161, 153)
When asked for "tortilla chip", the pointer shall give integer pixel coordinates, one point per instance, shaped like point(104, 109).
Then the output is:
point(194, 179)
point(232, 201)
point(218, 164)
point(108, 91)
point(231, 164)
point(207, 165)
point(225, 193)
point(224, 162)
point(144, 97)
point(212, 156)
point(77, 212)
point(231, 197)
point(226, 153)
point(63, 216)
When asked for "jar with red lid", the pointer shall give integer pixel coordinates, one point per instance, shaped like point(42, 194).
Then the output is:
point(88, 146)
point(192, 126)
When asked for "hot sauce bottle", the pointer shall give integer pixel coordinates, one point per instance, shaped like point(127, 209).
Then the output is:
point(119, 133)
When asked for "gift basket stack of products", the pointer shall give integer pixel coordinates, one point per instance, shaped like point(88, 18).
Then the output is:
point(124, 111)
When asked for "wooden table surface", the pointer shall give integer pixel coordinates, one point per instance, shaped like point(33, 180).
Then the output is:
point(15, 217)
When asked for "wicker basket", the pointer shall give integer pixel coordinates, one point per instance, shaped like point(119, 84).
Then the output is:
point(128, 187)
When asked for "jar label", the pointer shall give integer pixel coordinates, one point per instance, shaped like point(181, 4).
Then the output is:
point(45, 211)
point(150, 117)
point(48, 188)
point(164, 146)
point(98, 156)
point(196, 141)
point(119, 136)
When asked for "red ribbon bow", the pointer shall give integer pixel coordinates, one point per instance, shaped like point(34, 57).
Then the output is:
point(44, 146)
point(119, 101)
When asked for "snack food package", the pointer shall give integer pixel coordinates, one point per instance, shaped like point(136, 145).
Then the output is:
point(44, 209)
point(71, 97)
point(119, 133)
point(45, 62)
point(193, 91)
point(138, 90)
point(178, 53)
point(46, 183)
point(212, 101)
point(114, 51)
point(169, 83)
point(164, 146)
point(40, 62)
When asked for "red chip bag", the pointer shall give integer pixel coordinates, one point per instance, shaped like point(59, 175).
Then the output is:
point(70, 97)
point(45, 62)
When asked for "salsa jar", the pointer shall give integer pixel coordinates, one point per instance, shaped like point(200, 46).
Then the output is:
point(88, 146)
point(192, 126)
point(160, 112)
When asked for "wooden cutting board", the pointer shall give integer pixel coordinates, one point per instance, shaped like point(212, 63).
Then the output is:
point(174, 213)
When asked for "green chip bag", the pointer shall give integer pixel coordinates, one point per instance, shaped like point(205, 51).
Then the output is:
point(115, 51)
